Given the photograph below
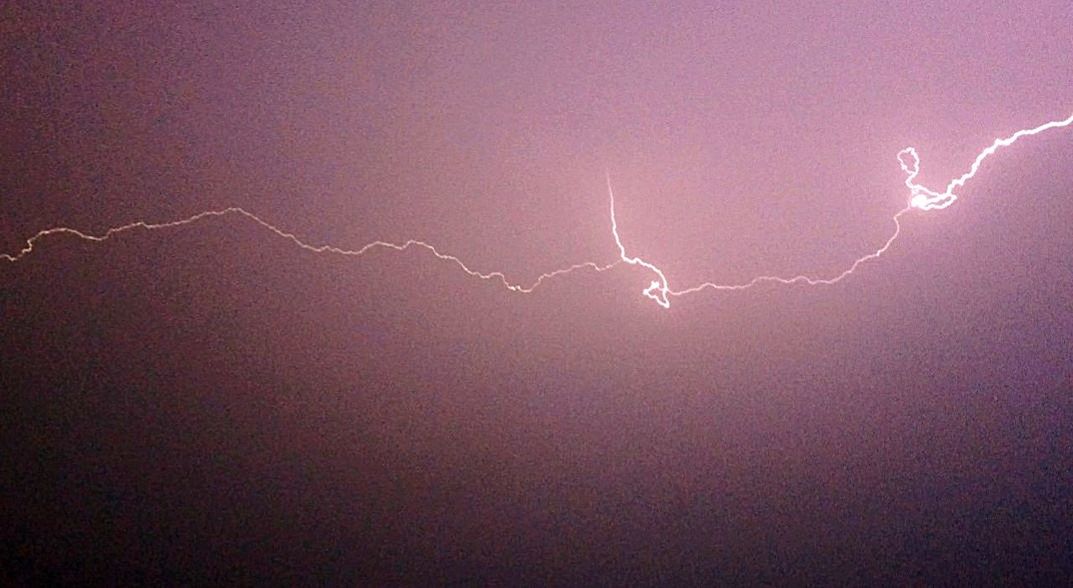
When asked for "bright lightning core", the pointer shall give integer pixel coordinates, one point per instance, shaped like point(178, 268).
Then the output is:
point(658, 290)
point(921, 198)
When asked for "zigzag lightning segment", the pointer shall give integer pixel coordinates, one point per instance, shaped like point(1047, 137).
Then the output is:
point(658, 290)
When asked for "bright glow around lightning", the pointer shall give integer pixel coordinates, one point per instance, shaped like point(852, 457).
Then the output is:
point(658, 290)
point(920, 197)
point(926, 199)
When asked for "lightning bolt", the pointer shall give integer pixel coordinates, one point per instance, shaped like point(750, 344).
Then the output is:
point(659, 290)
point(926, 199)
point(921, 198)
point(233, 211)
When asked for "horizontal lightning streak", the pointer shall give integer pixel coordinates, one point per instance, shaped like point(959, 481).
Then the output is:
point(803, 279)
point(921, 198)
point(314, 248)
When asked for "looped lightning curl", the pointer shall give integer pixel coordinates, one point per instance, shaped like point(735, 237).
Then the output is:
point(921, 198)
point(926, 199)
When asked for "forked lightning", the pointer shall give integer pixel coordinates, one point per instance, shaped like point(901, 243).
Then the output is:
point(659, 290)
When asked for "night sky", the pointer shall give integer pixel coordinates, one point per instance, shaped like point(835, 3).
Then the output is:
point(212, 403)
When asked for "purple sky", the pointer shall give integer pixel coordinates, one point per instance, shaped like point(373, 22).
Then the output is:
point(213, 398)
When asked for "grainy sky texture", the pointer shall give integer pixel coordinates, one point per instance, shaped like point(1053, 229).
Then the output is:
point(213, 403)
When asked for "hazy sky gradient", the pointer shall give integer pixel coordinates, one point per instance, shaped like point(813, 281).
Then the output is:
point(214, 399)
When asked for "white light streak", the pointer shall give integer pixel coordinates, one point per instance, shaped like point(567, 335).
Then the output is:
point(658, 290)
